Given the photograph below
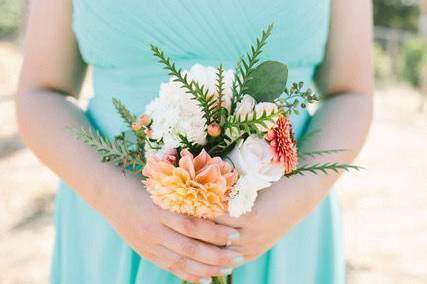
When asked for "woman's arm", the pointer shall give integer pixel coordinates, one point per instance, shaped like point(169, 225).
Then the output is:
point(52, 75)
point(343, 118)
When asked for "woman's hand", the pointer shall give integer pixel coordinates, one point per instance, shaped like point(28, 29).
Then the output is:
point(276, 210)
point(174, 242)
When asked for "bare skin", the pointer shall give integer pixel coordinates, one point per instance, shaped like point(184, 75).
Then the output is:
point(188, 247)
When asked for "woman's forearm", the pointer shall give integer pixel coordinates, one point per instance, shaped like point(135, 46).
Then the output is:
point(342, 122)
point(43, 117)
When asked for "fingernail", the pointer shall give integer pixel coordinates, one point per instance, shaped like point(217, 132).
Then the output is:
point(238, 259)
point(205, 281)
point(234, 236)
point(226, 271)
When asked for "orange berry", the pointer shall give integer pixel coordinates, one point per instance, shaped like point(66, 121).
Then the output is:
point(214, 129)
point(136, 126)
point(144, 120)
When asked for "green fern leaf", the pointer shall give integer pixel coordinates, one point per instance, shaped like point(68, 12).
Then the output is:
point(323, 168)
point(126, 115)
point(243, 73)
point(313, 154)
point(198, 91)
point(115, 151)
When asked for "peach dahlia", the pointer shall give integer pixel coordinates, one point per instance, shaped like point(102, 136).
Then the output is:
point(199, 186)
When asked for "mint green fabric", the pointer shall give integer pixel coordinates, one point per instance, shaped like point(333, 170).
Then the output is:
point(114, 38)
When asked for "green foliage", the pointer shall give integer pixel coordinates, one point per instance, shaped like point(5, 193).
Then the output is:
point(199, 92)
point(268, 81)
point(116, 151)
point(225, 146)
point(220, 109)
point(313, 154)
point(323, 168)
point(396, 14)
point(189, 145)
point(251, 123)
point(11, 13)
point(126, 115)
point(414, 58)
point(297, 98)
point(245, 67)
point(382, 63)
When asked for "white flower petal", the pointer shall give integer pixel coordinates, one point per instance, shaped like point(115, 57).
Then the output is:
point(254, 158)
point(242, 197)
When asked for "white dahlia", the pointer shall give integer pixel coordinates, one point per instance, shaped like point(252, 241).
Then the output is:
point(176, 112)
point(208, 76)
point(242, 196)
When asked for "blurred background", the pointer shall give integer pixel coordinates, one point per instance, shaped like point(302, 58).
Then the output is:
point(384, 208)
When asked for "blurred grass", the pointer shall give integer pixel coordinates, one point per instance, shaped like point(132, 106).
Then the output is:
point(11, 14)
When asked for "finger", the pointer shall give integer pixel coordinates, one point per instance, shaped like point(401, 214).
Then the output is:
point(228, 221)
point(191, 266)
point(165, 263)
point(199, 251)
point(200, 229)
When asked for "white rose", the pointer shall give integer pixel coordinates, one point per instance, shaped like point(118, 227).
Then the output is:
point(245, 106)
point(253, 157)
point(268, 108)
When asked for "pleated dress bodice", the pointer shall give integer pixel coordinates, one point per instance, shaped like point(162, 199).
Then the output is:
point(114, 38)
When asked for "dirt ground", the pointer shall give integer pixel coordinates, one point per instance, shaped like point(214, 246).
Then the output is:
point(384, 208)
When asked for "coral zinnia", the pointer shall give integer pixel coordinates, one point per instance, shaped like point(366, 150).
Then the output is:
point(283, 144)
point(198, 187)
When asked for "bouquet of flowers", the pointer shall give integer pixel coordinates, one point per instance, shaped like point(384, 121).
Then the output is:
point(213, 138)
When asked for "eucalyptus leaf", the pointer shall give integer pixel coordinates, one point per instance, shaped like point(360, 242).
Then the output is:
point(268, 81)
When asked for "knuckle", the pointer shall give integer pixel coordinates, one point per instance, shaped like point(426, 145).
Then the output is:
point(180, 262)
point(143, 227)
point(164, 215)
point(190, 248)
point(220, 258)
point(168, 265)
point(175, 264)
point(212, 271)
point(192, 279)
point(188, 225)
point(185, 276)
point(220, 235)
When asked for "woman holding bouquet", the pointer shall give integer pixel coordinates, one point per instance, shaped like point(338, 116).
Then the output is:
point(108, 230)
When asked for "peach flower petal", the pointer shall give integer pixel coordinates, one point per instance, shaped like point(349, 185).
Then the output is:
point(198, 186)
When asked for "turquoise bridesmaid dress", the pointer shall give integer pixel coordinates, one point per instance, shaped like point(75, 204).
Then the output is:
point(114, 38)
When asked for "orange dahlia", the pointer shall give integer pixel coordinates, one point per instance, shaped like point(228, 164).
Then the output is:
point(283, 144)
point(198, 186)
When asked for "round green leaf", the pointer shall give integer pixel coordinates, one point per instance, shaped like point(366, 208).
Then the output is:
point(268, 81)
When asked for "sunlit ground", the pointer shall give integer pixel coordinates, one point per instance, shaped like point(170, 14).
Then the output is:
point(384, 208)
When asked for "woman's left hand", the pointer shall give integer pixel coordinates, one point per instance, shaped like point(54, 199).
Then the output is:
point(275, 212)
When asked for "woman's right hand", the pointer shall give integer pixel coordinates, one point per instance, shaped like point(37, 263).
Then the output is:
point(191, 248)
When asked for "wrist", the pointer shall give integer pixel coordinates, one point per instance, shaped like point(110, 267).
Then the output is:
point(302, 193)
point(111, 190)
